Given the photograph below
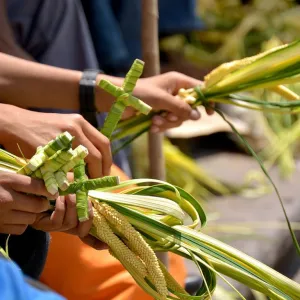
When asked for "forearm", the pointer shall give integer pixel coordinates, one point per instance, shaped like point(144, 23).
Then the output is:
point(29, 84)
point(6, 122)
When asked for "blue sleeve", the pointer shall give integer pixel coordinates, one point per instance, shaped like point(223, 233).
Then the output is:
point(13, 285)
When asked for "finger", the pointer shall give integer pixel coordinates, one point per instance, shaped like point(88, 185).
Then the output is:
point(210, 109)
point(187, 82)
point(42, 222)
point(28, 203)
point(70, 176)
point(84, 227)
point(16, 229)
point(94, 158)
point(53, 222)
point(195, 115)
point(184, 81)
point(174, 105)
point(166, 126)
point(57, 218)
point(16, 217)
point(102, 143)
point(171, 117)
point(159, 121)
point(70, 219)
point(94, 243)
point(30, 185)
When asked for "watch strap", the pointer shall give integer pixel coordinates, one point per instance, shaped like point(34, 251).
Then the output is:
point(87, 87)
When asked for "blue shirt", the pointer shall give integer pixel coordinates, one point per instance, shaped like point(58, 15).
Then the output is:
point(13, 285)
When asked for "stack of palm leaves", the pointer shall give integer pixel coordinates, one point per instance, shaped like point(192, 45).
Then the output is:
point(150, 215)
point(228, 84)
point(143, 218)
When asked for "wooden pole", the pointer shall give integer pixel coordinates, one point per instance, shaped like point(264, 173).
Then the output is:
point(150, 52)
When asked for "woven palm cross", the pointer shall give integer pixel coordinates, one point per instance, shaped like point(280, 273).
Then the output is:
point(124, 98)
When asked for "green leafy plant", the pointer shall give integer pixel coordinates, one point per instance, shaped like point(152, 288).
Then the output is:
point(150, 215)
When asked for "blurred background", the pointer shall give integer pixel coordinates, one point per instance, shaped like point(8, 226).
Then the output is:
point(203, 157)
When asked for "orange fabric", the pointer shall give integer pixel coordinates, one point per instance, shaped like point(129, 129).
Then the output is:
point(78, 271)
point(116, 171)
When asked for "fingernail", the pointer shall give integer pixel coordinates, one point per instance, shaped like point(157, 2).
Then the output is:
point(158, 122)
point(195, 115)
point(154, 129)
point(173, 118)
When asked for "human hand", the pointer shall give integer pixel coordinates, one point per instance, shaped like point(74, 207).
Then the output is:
point(160, 93)
point(17, 208)
point(64, 218)
point(30, 129)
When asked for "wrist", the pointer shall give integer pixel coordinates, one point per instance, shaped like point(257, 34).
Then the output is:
point(87, 95)
point(4, 123)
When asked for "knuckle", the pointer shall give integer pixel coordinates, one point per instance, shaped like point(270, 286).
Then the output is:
point(73, 124)
point(18, 230)
point(71, 222)
point(173, 74)
point(40, 205)
point(6, 200)
point(96, 155)
point(2, 177)
point(77, 119)
point(6, 179)
point(31, 219)
point(186, 108)
point(106, 142)
point(56, 223)
point(38, 185)
point(71, 202)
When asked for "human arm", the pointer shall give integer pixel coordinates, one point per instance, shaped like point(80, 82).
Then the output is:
point(30, 84)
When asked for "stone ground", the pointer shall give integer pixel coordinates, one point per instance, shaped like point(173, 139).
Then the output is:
point(272, 246)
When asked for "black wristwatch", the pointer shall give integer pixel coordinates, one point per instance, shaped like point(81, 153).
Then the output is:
point(87, 87)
